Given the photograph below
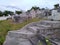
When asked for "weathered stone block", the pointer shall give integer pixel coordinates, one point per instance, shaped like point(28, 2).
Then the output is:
point(20, 38)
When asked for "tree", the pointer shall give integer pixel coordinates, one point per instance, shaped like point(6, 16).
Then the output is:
point(43, 8)
point(8, 12)
point(1, 14)
point(28, 10)
point(35, 8)
point(18, 12)
point(56, 6)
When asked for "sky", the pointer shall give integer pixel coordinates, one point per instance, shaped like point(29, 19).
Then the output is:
point(26, 4)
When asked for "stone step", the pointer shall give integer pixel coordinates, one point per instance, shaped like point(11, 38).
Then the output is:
point(33, 29)
point(20, 34)
point(51, 22)
point(41, 25)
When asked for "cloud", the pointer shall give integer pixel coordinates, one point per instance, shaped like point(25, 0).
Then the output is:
point(27, 4)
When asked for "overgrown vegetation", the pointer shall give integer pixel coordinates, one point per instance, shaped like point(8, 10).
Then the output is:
point(8, 25)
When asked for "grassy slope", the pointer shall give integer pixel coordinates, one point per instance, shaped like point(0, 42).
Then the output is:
point(7, 25)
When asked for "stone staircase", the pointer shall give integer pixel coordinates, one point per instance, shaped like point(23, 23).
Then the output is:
point(28, 35)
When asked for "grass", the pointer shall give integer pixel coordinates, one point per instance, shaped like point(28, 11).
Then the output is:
point(8, 25)
point(48, 42)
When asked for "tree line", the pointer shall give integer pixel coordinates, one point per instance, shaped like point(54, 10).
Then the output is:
point(6, 13)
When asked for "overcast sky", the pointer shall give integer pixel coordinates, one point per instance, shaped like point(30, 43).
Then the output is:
point(26, 4)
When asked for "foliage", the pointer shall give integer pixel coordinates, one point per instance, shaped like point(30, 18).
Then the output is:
point(18, 12)
point(56, 6)
point(48, 42)
point(43, 8)
point(8, 12)
point(35, 8)
point(1, 13)
point(28, 10)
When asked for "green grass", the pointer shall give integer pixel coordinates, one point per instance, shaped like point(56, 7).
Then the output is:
point(48, 42)
point(8, 25)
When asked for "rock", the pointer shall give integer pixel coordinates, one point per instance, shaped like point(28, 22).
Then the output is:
point(20, 38)
point(29, 34)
